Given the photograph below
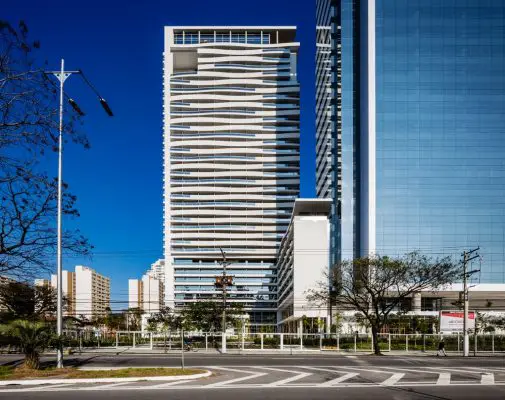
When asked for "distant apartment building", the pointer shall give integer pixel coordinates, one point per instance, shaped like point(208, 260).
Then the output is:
point(3, 281)
point(231, 161)
point(153, 294)
point(158, 270)
point(42, 282)
point(148, 293)
point(92, 293)
point(135, 294)
point(68, 284)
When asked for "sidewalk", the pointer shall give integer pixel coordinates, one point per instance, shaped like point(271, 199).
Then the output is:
point(285, 352)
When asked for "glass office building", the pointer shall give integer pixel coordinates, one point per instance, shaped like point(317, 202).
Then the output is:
point(420, 125)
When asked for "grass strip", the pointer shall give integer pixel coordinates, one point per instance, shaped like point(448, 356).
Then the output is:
point(12, 373)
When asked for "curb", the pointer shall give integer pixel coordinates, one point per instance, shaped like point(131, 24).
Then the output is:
point(25, 382)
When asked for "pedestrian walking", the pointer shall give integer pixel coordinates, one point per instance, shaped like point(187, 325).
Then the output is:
point(441, 348)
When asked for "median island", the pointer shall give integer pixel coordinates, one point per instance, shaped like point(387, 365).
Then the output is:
point(22, 373)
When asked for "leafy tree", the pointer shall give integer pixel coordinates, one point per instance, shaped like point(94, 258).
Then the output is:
point(28, 126)
point(24, 301)
point(207, 316)
point(31, 338)
point(165, 320)
point(134, 318)
point(377, 286)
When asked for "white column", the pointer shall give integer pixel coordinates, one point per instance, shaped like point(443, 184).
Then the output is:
point(367, 133)
point(416, 301)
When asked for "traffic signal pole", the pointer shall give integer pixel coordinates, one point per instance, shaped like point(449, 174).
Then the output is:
point(466, 274)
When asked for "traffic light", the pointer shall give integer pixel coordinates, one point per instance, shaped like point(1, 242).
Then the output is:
point(224, 281)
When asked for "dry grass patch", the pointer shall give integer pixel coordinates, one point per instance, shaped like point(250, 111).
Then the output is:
point(11, 373)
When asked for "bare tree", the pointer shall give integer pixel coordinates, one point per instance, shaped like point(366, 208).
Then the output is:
point(28, 126)
point(377, 286)
point(28, 102)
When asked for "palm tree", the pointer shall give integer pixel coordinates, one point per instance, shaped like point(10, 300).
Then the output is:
point(31, 338)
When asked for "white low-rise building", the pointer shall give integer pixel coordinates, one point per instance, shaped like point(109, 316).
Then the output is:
point(302, 264)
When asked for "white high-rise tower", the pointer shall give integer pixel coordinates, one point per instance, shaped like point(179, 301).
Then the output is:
point(231, 160)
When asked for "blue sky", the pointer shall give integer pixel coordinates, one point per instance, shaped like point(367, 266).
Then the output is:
point(119, 45)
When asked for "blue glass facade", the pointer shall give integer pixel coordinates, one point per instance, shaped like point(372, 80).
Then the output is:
point(440, 128)
point(440, 73)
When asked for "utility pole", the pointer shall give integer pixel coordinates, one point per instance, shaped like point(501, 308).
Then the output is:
point(467, 257)
point(223, 281)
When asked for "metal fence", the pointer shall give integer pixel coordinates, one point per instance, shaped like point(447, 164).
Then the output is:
point(169, 341)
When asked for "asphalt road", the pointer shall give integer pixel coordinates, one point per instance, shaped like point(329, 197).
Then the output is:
point(300, 376)
point(194, 359)
point(429, 393)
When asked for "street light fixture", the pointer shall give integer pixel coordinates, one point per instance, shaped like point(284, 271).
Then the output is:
point(62, 76)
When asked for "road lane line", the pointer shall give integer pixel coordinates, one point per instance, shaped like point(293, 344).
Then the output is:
point(393, 379)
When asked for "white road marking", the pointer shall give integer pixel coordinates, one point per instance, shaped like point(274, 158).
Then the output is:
point(347, 375)
point(487, 379)
point(338, 380)
point(376, 371)
point(483, 370)
point(393, 379)
point(109, 385)
point(51, 386)
point(351, 356)
point(242, 378)
point(164, 385)
point(444, 378)
point(299, 375)
point(473, 376)
point(245, 386)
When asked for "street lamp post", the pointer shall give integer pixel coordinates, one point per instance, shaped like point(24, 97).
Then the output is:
point(62, 76)
point(223, 282)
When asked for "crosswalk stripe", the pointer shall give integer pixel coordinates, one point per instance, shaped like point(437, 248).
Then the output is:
point(347, 375)
point(299, 375)
point(487, 379)
point(340, 379)
point(242, 378)
point(393, 379)
point(444, 378)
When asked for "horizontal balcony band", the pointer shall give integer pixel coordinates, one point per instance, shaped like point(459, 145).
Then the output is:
point(197, 99)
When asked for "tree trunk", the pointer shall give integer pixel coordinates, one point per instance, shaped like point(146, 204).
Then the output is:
point(32, 360)
point(375, 338)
